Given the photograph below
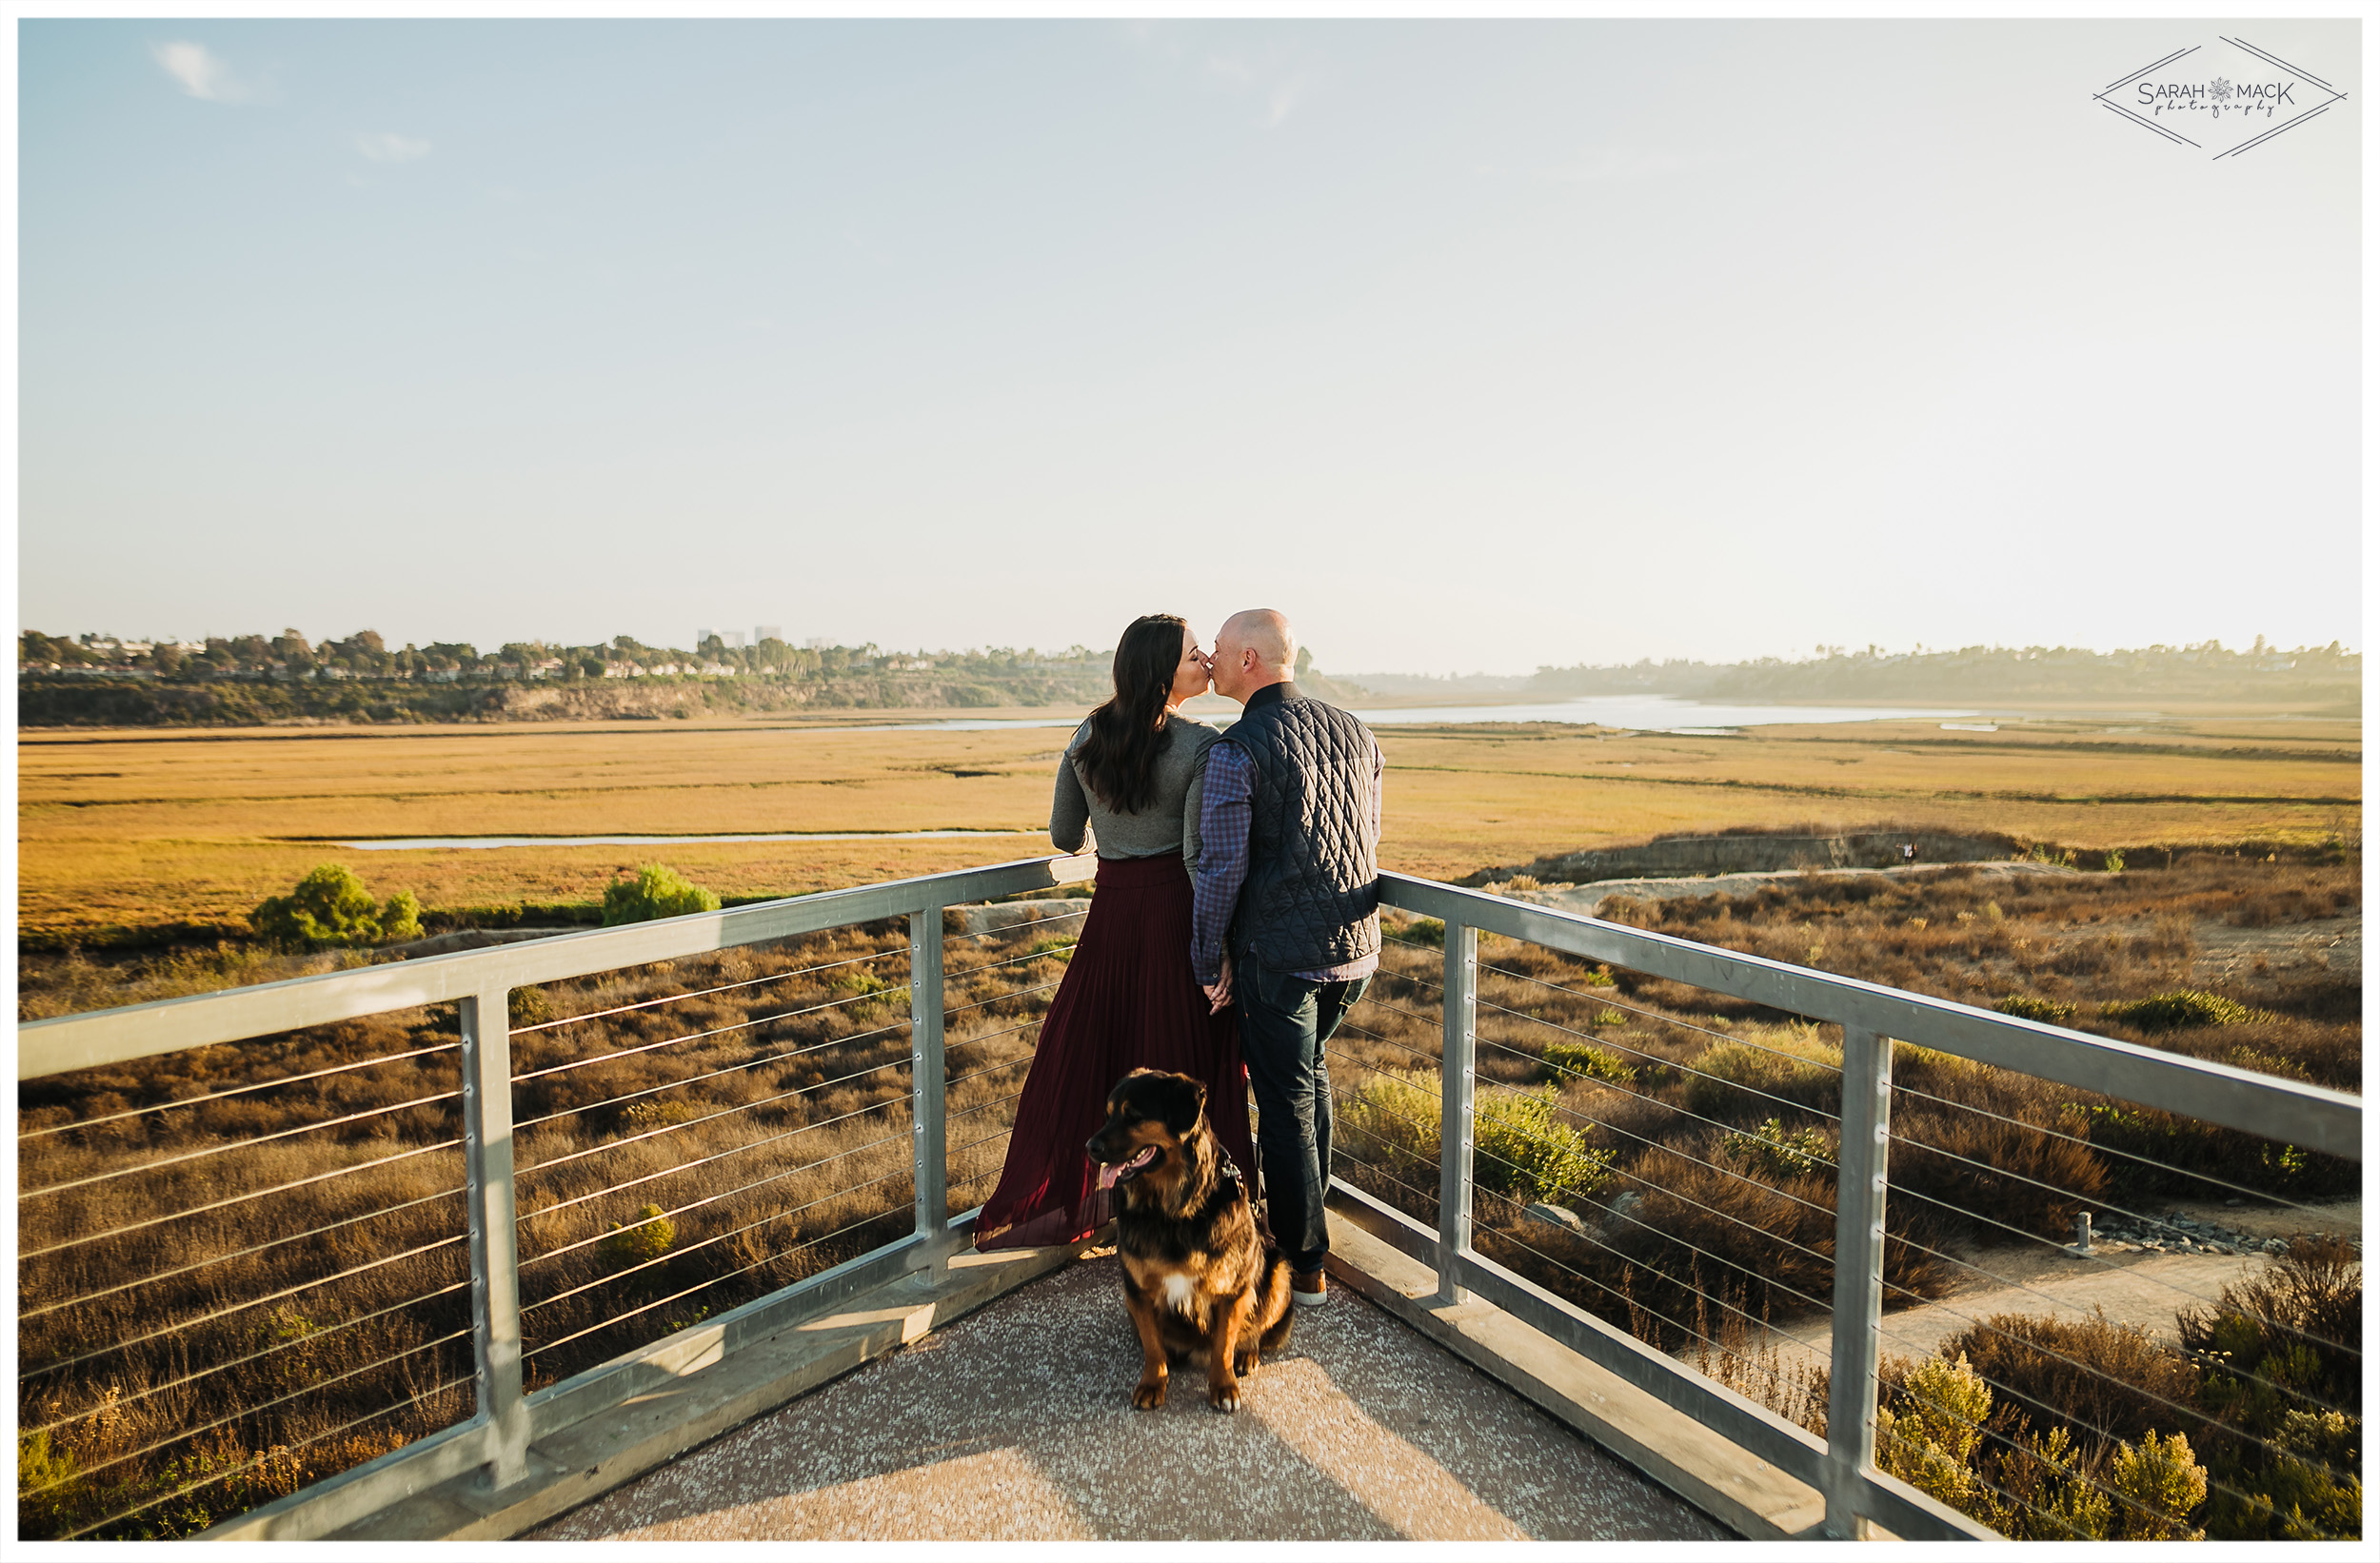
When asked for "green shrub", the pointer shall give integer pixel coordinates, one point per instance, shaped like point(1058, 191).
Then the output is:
point(2310, 1490)
point(1782, 1153)
point(331, 907)
point(1393, 1116)
point(1928, 1436)
point(528, 1007)
point(650, 1237)
point(2094, 1375)
point(39, 1466)
point(1609, 1017)
point(2046, 1011)
point(2173, 1011)
point(2114, 862)
point(2163, 1482)
point(1522, 1150)
point(1429, 931)
point(1789, 1065)
point(1588, 1062)
point(658, 891)
point(1527, 1153)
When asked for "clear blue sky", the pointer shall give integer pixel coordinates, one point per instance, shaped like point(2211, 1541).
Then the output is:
point(1469, 346)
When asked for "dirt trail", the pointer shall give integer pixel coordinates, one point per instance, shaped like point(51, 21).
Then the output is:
point(1587, 898)
point(2135, 1285)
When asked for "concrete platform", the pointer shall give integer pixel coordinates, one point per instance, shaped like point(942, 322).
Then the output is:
point(1016, 1423)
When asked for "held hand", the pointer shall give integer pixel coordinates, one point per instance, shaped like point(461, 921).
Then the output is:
point(1219, 991)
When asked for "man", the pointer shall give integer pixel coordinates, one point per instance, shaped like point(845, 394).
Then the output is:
point(1285, 909)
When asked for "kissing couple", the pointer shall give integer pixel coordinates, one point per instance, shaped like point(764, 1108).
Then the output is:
point(1236, 922)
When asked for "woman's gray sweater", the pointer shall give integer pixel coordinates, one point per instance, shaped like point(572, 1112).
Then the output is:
point(1170, 821)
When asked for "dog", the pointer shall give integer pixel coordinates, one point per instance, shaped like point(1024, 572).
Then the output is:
point(1201, 1281)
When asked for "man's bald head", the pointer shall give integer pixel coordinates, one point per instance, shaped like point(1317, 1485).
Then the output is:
point(1255, 648)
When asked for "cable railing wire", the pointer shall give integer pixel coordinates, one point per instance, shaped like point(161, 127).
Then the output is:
point(1615, 1045)
point(1804, 1297)
point(24, 1314)
point(235, 1199)
point(1507, 1049)
point(2108, 1150)
point(706, 993)
point(681, 1167)
point(2076, 1472)
point(2101, 1260)
point(716, 1031)
point(1000, 998)
point(214, 1368)
point(800, 1052)
point(179, 1325)
point(676, 1254)
point(2085, 1367)
point(715, 1281)
point(1665, 1019)
point(253, 1140)
point(1012, 929)
point(234, 1091)
point(187, 1434)
point(411, 1399)
point(626, 1140)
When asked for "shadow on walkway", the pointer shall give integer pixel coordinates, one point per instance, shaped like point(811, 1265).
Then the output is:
point(1016, 1423)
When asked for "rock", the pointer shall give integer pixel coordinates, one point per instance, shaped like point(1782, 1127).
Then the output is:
point(1625, 1207)
point(1556, 1215)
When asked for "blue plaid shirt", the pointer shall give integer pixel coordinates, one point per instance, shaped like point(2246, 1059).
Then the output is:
point(1223, 807)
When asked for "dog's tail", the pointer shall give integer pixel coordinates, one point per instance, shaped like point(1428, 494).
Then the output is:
point(1273, 1308)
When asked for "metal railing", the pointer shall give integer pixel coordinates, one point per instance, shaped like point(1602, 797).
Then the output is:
point(507, 1418)
point(1842, 1464)
point(589, 1111)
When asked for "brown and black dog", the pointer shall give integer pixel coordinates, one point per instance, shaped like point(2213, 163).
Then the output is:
point(1199, 1280)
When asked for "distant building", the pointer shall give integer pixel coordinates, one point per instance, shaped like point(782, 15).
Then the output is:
point(817, 643)
point(701, 635)
point(733, 638)
point(767, 632)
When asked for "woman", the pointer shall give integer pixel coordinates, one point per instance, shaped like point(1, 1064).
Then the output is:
point(1129, 998)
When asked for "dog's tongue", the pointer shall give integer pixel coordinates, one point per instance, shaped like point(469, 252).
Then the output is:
point(1110, 1173)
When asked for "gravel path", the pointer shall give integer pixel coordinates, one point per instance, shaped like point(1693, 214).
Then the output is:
point(1015, 1424)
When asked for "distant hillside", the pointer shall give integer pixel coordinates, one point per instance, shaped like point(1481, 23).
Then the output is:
point(250, 681)
point(2318, 680)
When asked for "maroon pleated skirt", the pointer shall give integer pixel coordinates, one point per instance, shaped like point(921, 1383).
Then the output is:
point(1128, 1002)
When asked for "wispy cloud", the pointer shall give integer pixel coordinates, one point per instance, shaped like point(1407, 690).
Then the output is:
point(1278, 87)
point(388, 147)
point(202, 72)
point(1605, 165)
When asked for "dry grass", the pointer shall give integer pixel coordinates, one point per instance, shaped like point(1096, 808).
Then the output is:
point(132, 830)
point(325, 1322)
point(1720, 1114)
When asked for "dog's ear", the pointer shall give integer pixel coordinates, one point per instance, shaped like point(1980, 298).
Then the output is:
point(1183, 1105)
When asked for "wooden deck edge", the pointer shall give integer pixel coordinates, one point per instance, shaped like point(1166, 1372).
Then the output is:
point(1735, 1486)
point(584, 1461)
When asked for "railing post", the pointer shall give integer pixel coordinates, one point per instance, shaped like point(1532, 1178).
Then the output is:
point(1858, 1277)
point(495, 1245)
point(1456, 1073)
point(930, 1128)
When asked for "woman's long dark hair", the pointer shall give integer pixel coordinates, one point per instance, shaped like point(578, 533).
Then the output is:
point(1127, 734)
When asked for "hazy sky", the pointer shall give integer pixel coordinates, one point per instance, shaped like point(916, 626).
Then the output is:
point(1468, 346)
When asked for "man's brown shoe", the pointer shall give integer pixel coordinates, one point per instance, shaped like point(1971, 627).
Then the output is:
point(1307, 1288)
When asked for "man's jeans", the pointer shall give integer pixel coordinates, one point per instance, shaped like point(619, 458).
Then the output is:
point(1285, 1022)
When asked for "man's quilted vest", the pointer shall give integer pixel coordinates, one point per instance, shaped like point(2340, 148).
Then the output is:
point(1312, 897)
